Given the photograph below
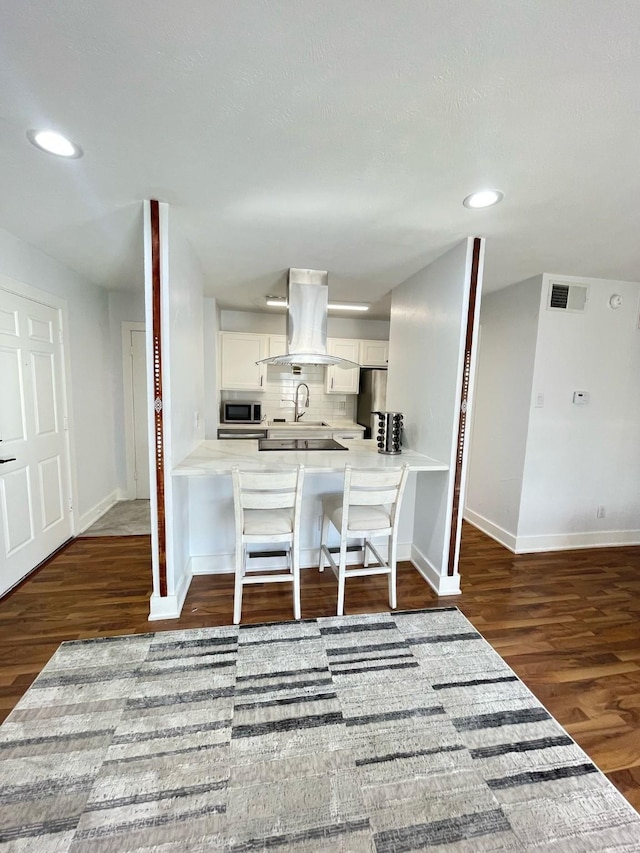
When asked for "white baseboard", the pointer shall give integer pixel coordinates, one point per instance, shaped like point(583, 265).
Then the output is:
point(442, 584)
point(170, 606)
point(91, 516)
point(552, 541)
point(220, 564)
point(570, 541)
point(493, 530)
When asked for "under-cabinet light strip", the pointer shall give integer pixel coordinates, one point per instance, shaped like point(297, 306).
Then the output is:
point(335, 306)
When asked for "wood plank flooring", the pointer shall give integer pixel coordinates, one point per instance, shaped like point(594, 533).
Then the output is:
point(567, 622)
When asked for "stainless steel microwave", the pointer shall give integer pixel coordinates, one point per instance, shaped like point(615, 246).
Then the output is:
point(241, 412)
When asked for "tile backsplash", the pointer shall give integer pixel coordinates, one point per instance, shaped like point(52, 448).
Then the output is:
point(281, 385)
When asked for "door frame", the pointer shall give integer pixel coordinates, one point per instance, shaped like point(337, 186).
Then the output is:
point(59, 304)
point(127, 382)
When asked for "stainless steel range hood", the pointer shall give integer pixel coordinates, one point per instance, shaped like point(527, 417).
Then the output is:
point(307, 301)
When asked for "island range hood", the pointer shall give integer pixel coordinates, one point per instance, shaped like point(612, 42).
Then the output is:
point(307, 301)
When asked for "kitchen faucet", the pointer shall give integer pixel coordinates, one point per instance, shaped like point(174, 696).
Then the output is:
point(298, 413)
point(296, 401)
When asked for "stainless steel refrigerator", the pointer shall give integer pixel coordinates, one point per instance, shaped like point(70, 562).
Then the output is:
point(372, 397)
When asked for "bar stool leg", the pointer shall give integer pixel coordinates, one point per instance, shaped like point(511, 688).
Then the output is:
point(342, 568)
point(392, 574)
point(324, 536)
point(296, 580)
point(237, 597)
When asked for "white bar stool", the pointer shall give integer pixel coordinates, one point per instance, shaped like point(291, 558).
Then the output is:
point(267, 509)
point(369, 507)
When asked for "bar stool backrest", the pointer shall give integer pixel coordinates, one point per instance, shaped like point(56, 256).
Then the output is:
point(267, 489)
point(372, 487)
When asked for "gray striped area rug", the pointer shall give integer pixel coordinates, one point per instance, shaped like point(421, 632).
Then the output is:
point(385, 732)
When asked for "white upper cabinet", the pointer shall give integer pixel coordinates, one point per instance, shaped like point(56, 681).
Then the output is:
point(337, 379)
point(374, 353)
point(277, 345)
point(239, 352)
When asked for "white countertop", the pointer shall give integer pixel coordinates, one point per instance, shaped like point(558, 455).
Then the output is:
point(217, 457)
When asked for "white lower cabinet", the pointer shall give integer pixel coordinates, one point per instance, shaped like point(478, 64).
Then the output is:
point(339, 380)
point(348, 434)
point(239, 352)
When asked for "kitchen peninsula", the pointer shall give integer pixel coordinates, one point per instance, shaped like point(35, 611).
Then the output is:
point(217, 457)
point(206, 473)
point(430, 379)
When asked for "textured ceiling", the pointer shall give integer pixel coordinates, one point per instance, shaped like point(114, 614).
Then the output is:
point(332, 134)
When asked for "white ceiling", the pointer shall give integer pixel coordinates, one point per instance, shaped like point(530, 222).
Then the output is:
point(331, 134)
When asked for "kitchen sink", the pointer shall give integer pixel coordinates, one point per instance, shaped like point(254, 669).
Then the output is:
point(303, 423)
point(299, 444)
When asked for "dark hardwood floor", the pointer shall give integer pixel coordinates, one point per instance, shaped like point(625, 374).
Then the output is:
point(566, 622)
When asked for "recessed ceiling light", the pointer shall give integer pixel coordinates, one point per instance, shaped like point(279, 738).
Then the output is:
point(275, 302)
point(483, 198)
point(54, 143)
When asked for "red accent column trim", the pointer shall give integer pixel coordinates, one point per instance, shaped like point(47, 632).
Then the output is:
point(464, 397)
point(157, 393)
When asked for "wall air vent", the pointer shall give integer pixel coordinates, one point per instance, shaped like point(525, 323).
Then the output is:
point(567, 297)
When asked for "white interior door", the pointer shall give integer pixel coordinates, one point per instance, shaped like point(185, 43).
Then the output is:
point(140, 416)
point(35, 492)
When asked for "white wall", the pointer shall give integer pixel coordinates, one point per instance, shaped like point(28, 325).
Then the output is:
point(183, 396)
point(183, 351)
point(509, 325)
point(124, 307)
point(211, 324)
point(183, 312)
point(265, 323)
point(88, 343)
point(579, 457)
point(539, 473)
point(426, 352)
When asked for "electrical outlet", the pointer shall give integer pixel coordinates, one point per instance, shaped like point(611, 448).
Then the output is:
point(342, 406)
point(602, 512)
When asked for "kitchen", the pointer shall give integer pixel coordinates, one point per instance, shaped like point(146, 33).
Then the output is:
point(315, 400)
point(248, 338)
point(305, 356)
point(283, 367)
point(430, 349)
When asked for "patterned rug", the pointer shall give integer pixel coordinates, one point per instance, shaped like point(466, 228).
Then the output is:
point(384, 732)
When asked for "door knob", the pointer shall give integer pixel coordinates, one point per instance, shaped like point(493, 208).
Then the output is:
point(2, 461)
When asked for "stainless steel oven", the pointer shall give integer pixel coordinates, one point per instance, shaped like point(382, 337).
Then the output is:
point(237, 434)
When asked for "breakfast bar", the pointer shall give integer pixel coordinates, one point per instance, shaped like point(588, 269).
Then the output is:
point(218, 457)
point(207, 471)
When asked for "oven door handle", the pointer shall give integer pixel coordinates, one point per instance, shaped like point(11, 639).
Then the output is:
point(234, 435)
